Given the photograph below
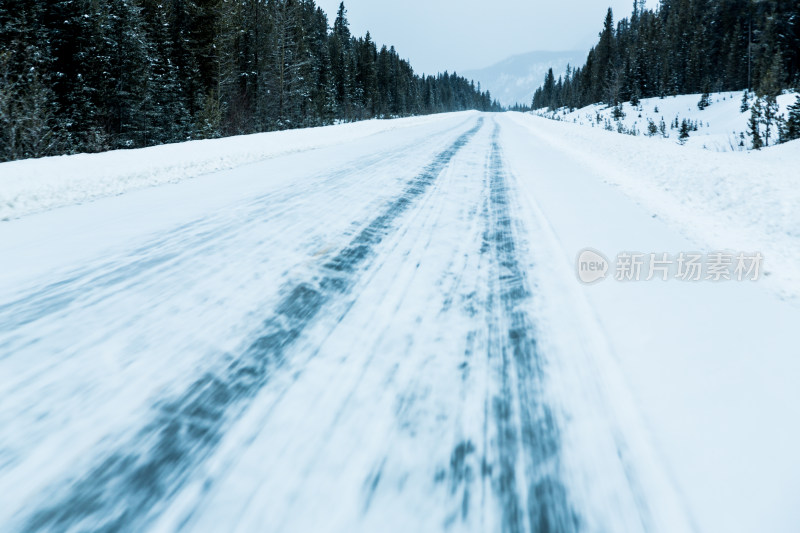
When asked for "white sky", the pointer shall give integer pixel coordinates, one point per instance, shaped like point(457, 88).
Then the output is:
point(438, 35)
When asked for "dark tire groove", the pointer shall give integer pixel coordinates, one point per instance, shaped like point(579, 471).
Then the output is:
point(528, 439)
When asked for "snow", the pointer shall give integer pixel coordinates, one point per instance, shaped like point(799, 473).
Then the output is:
point(748, 201)
point(32, 186)
point(438, 366)
point(708, 366)
point(722, 126)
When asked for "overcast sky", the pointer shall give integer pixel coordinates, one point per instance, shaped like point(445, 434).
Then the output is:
point(439, 35)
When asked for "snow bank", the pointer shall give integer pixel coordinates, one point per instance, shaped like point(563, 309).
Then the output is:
point(743, 201)
point(721, 127)
point(701, 377)
point(35, 185)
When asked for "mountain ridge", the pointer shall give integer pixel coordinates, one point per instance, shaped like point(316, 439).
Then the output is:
point(515, 78)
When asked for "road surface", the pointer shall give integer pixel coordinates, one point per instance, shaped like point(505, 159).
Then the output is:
point(382, 336)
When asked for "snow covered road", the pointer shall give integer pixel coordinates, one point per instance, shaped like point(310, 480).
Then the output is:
point(385, 335)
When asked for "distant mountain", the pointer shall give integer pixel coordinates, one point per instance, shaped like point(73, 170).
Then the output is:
point(515, 79)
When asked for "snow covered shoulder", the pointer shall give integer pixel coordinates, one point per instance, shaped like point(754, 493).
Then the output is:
point(743, 200)
point(35, 185)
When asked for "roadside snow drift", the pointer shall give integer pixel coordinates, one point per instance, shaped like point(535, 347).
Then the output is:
point(727, 201)
point(32, 186)
point(721, 127)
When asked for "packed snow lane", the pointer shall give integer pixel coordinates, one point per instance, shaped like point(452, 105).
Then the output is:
point(425, 413)
point(153, 464)
point(384, 335)
point(103, 328)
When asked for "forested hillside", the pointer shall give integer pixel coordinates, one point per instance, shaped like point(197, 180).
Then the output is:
point(93, 75)
point(684, 47)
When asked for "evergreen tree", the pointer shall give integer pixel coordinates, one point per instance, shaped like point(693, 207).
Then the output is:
point(604, 64)
point(618, 114)
point(687, 46)
point(88, 75)
point(791, 128)
point(165, 117)
point(342, 63)
point(366, 76)
point(125, 69)
point(75, 32)
point(684, 132)
point(705, 98)
point(28, 126)
point(652, 129)
point(754, 124)
point(770, 117)
point(289, 76)
point(549, 91)
point(323, 93)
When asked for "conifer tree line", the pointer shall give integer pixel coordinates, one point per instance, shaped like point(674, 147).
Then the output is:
point(93, 75)
point(685, 47)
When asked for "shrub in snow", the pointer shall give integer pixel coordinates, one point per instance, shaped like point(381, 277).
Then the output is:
point(684, 131)
point(704, 102)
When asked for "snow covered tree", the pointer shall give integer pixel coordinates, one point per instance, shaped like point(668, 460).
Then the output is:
point(125, 70)
point(342, 62)
point(754, 124)
point(208, 122)
point(366, 75)
point(770, 117)
point(774, 78)
point(687, 46)
point(290, 66)
point(28, 125)
point(323, 89)
point(684, 132)
point(705, 98)
point(604, 64)
point(165, 116)
point(635, 98)
point(89, 75)
point(791, 128)
point(549, 96)
point(76, 31)
point(618, 114)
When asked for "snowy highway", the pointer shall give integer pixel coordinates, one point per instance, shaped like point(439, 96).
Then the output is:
point(386, 334)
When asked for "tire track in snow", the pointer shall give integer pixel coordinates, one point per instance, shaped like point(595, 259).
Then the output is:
point(70, 361)
point(525, 470)
point(132, 484)
point(191, 239)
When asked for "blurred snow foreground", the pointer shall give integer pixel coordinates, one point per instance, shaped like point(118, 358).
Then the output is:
point(379, 327)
